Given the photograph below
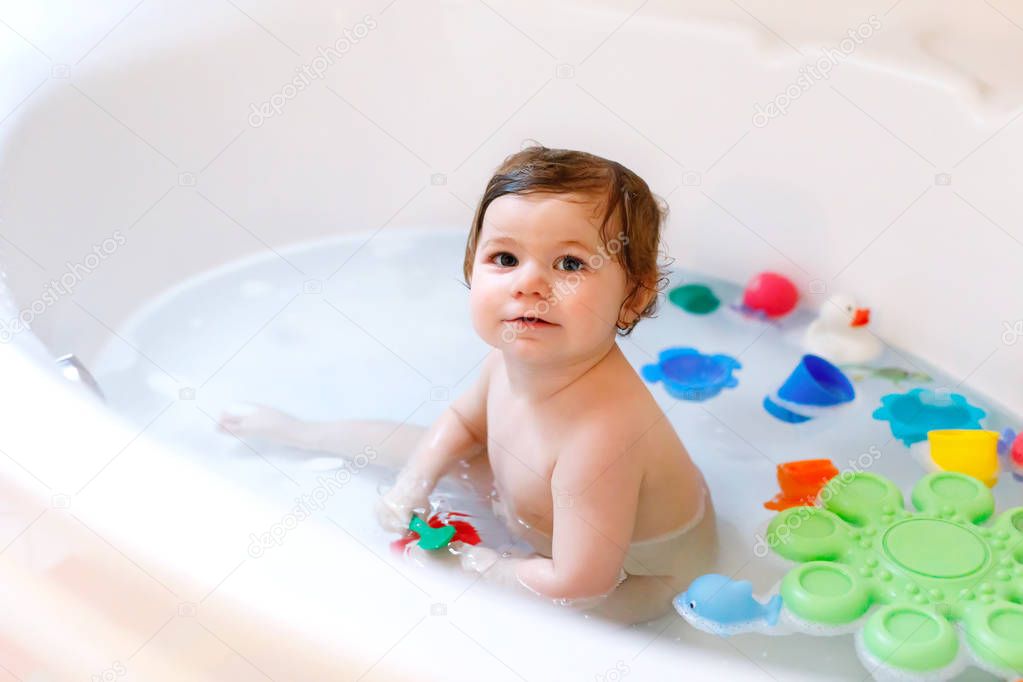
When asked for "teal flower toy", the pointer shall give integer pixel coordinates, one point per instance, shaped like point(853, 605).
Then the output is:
point(911, 415)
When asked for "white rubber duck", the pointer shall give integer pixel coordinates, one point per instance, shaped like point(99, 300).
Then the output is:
point(840, 333)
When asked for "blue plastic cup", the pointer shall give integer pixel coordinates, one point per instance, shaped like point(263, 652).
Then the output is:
point(815, 381)
point(783, 413)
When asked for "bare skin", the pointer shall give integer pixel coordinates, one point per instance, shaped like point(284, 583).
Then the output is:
point(583, 459)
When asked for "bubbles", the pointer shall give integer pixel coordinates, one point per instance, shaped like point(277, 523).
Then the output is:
point(716, 628)
point(580, 603)
point(789, 623)
point(883, 672)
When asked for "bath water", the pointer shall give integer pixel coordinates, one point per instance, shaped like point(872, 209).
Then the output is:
point(378, 328)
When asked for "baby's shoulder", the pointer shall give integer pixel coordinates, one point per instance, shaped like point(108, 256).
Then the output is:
point(619, 419)
point(603, 447)
point(622, 405)
point(610, 424)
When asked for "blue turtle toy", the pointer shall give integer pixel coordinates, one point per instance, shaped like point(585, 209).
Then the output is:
point(688, 374)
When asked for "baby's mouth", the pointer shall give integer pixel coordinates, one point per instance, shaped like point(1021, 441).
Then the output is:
point(530, 322)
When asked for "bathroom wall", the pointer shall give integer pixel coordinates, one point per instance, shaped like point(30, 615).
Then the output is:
point(164, 138)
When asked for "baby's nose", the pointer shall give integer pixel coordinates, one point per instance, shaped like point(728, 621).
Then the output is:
point(531, 280)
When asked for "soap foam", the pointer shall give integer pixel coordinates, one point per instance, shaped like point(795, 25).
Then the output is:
point(883, 672)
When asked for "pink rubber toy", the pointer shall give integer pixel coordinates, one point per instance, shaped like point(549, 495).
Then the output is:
point(773, 294)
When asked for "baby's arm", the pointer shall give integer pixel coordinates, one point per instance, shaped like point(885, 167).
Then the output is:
point(596, 495)
point(459, 434)
point(595, 488)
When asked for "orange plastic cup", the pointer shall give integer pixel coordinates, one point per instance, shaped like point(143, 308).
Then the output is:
point(800, 482)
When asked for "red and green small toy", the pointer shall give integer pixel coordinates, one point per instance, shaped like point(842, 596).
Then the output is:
point(438, 532)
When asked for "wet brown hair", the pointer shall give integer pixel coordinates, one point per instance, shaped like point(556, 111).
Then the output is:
point(627, 202)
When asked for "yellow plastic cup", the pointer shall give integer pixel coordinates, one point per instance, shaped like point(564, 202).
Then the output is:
point(973, 452)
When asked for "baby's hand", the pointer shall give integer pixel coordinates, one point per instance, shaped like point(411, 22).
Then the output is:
point(410, 493)
point(257, 420)
point(477, 558)
point(490, 564)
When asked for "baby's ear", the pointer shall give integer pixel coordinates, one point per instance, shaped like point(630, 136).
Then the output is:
point(640, 296)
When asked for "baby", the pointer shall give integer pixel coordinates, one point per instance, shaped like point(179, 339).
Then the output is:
point(576, 455)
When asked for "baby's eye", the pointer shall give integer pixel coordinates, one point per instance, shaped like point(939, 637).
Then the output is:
point(570, 264)
point(504, 259)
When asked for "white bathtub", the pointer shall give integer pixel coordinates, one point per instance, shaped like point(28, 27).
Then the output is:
point(135, 154)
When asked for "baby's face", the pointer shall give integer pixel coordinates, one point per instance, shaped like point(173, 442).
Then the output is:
point(544, 288)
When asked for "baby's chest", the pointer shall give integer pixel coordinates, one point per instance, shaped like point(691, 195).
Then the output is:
point(522, 456)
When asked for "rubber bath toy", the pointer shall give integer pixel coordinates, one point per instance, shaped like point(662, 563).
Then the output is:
point(912, 414)
point(896, 375)
point(801, 482)
point(1010, 446)
point(722, 606)
point(973, 452)
point(770, 295)
point(688, 374)
point(429, 536)
point(697, 299)
point(1005, 441)
point(926, 590)
point(814, 388)
point(1016, 457)
point(464, 531)
point(840, 332)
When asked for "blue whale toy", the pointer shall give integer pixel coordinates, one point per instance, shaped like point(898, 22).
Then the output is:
point(722, 606)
